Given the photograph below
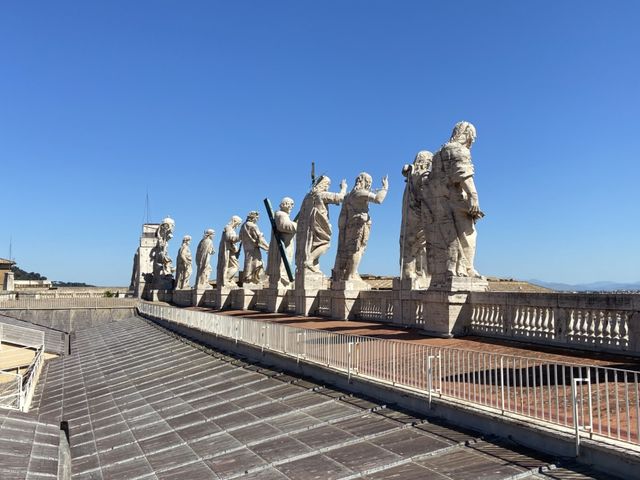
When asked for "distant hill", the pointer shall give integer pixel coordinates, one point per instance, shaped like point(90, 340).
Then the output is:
point(602, 286)
point(20, 274)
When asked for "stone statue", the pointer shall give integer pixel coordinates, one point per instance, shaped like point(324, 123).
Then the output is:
point(314, 230)
point(252, 241)
point(203, 254)
point(413, 252)
point(451, 209)
point(354, 226)
point(278, 277)
point(135, 273)
point(159, 255)
point(228, 253)
point(183, 264)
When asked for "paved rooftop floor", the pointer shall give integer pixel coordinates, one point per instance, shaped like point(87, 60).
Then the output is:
point(405, 334)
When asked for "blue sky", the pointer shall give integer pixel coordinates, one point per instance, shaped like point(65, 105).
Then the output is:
point(211, 106)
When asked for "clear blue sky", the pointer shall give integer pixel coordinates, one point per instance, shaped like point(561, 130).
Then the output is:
point(210, 106)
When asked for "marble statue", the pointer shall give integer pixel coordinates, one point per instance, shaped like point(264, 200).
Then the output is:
point(203, 255)
point(314, 229)
point(413, 252)
point(252, 242)
point(135, 273)
point(451, 209)
point(228, 253)
point(183, 264)
point(354, 226)
point(278, 277)
point(159, 255)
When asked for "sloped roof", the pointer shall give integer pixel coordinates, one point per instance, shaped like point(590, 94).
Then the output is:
point(4, 261)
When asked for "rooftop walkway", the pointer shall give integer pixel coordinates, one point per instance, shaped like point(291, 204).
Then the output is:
point(144, 404)
point(484, 344)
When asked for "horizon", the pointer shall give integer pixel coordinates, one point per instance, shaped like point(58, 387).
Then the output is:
point(210, 108)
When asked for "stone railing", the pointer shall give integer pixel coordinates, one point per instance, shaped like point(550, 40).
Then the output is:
point(377, 305)
point(597, 322)
point(30, 303)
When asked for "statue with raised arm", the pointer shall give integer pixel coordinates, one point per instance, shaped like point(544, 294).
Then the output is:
point(203, 256)
point(252, 241)
point(183, 264)
point(159, 255)
point(413, 252)
point(354, 226)
point(451, 208)
point(286, 227)
point(228, 253)
point(314, 229)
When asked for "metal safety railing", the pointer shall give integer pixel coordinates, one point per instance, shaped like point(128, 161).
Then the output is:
point(16, 389)
point(589, 401)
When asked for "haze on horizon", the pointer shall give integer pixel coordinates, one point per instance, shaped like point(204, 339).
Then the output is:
point(211, 107)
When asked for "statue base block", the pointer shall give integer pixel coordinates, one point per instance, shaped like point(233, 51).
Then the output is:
point(223, 297)
point(243, 298)
point(252, 286)
point(280, 300)
point(311, 281)
point(350, 285)
point(184, 298)
point(420, 283)
point(460, 284)
point(160, 296)
point(344, 304)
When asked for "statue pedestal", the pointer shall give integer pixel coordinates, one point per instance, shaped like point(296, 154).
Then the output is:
point(224, 297)
point(154, 295)
point(184, 298)
point(308, 284)
point(344, 304)
point(199, 292)
point(243, 298)
point(405, 284)
point(279, 299)
point(445, 307)
point(350, 285)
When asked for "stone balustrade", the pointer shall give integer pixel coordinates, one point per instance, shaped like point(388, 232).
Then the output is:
point(601, 322)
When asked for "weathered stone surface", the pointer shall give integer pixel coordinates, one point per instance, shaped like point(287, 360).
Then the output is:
point(228, 253)
point(314, 231)
point(286, 228)
point(354, 227)
point(413, 251)
point(450, 209)
point(183, 264)
point(162, 276)
point(252, 241)
point(203, 256)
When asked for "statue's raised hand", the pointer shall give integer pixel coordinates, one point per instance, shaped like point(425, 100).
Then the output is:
point(385, 182)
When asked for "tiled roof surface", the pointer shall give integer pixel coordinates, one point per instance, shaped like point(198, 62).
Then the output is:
point(144, 404)
point(28, 447)
point(54, 340)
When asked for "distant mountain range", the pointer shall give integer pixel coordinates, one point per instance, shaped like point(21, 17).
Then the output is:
point(582, 287)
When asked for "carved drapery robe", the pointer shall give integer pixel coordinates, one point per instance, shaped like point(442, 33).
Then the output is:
point(275, 266)
point(228, 251)
point(203, 256)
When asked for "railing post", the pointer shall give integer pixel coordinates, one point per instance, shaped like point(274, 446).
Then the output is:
point(576, 410)
point(502, 383)
point(349, 351)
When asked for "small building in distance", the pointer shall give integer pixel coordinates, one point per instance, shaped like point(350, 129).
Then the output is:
point(6, 275)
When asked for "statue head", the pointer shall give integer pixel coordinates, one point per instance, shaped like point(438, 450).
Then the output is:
point(286, 204)
point(209, 232)
point(363, 182)
point(186, 239)
point(463, 133)
point(322, 184)
point(165, 231)
point(253, 216)
point(235, 221)
point(423, 161)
